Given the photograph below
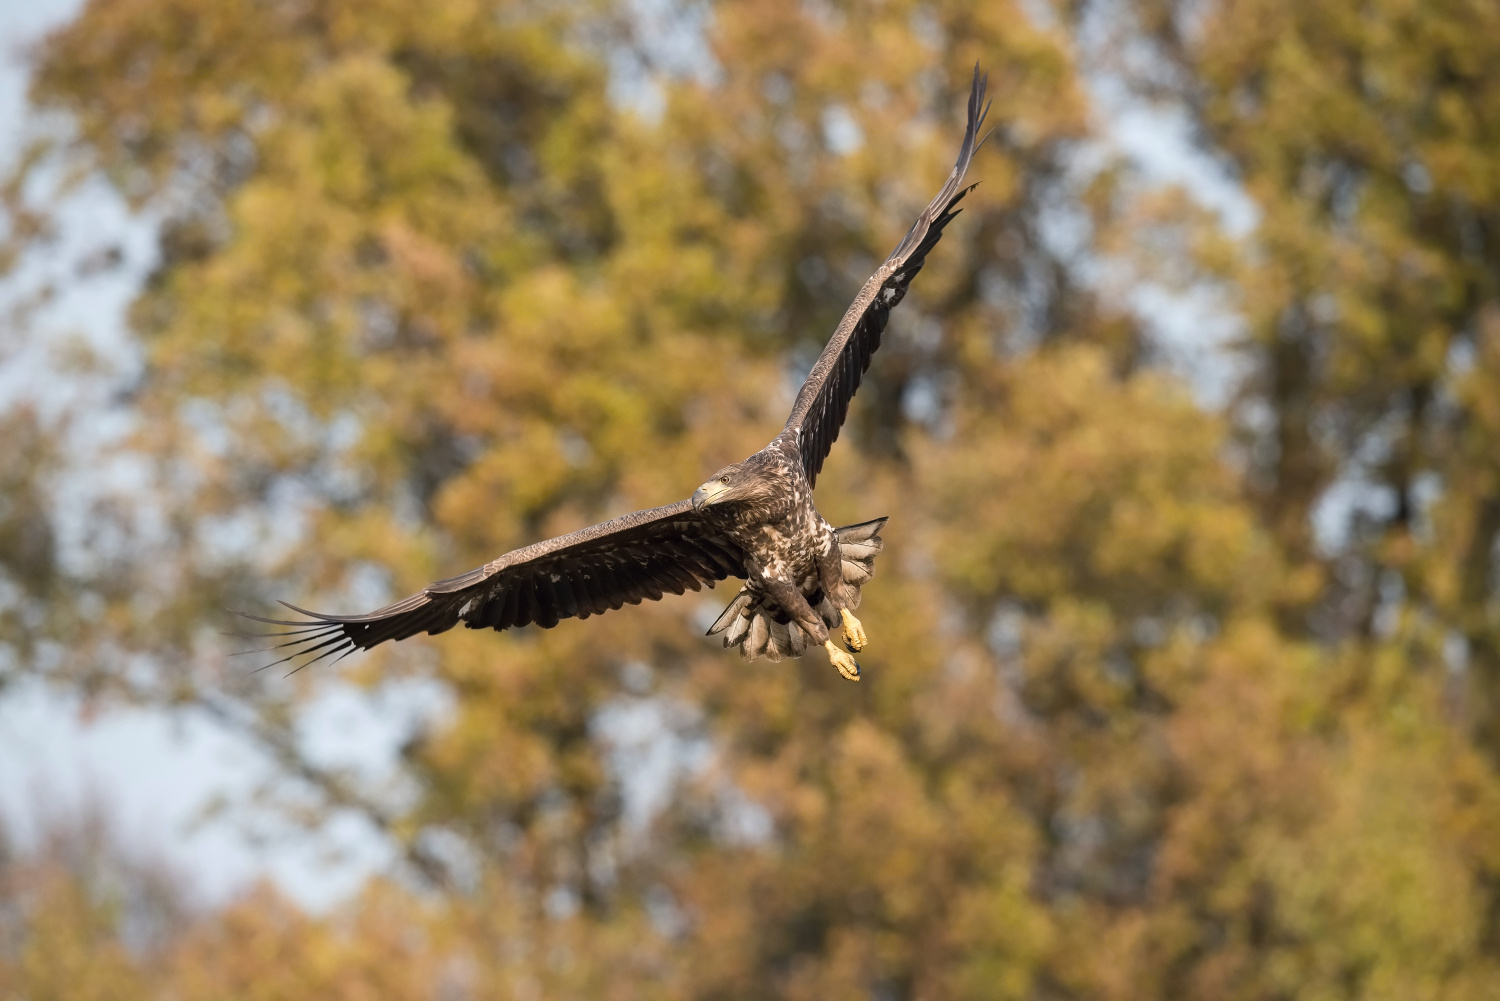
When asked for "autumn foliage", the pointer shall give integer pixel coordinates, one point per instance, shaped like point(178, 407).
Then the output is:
point(1165, 698)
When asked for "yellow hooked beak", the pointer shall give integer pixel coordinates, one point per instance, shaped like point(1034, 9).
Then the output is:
point(706, 494)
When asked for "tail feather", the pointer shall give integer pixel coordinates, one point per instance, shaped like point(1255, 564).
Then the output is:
point(749, 621)
point(759, 635)
point(864, 532)
point(779, 642)
point(731, 615)
point(857, 573)
point(797, 640)
point(737, 629)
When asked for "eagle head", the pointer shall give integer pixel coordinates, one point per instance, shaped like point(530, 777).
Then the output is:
point(726, 485)
point(748, 482)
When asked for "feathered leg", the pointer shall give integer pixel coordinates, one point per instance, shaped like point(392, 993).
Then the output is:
point(794, 604)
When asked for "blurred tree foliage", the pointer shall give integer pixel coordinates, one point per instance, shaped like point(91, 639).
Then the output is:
point(1131, 728)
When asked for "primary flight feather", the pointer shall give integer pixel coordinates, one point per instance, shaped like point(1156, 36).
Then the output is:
point(754, 520)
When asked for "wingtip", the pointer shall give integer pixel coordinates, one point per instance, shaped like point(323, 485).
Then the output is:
point(979, 108)
point(989, 132)
point(321, 617)
point(978, 111)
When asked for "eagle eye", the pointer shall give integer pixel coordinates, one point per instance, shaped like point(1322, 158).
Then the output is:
point(724, 479)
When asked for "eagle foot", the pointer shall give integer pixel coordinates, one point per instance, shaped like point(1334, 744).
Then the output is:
point(854, 633)
point(847, 665)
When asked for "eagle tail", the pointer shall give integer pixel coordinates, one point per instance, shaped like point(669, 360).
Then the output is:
point(763, 630)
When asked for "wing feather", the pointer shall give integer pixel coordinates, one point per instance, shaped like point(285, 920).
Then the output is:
point(642, 555)
point(510, 604)
point(610, 585)
point(823, 402)
point(582, 582)
point(546, 600)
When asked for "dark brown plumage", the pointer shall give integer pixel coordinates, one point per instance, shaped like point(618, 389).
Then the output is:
point(754, 520)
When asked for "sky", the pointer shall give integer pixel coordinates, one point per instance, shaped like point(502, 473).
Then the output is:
point(153, 774)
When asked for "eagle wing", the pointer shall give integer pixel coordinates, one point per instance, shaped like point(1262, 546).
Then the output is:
point(641, 555)
point(823, 401)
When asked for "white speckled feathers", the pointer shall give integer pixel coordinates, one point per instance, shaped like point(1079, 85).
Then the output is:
point(752, 624)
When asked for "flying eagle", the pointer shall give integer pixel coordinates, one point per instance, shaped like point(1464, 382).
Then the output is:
point(754, 520)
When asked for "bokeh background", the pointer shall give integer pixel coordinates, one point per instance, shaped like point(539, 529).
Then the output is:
point(1185, 667)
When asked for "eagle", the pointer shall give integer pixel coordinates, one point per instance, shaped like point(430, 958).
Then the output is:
point(754, 520)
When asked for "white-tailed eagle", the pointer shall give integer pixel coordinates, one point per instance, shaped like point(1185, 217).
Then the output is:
point(754, 520)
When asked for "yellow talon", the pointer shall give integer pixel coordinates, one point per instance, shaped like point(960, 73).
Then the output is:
point(847, 665)
point(854, 633)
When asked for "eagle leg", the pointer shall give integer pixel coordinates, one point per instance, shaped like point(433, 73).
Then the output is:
point(847, 665)
point(854, 633)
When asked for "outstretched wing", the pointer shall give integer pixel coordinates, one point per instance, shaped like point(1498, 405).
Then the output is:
point(824, 399)
point(642, 555)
